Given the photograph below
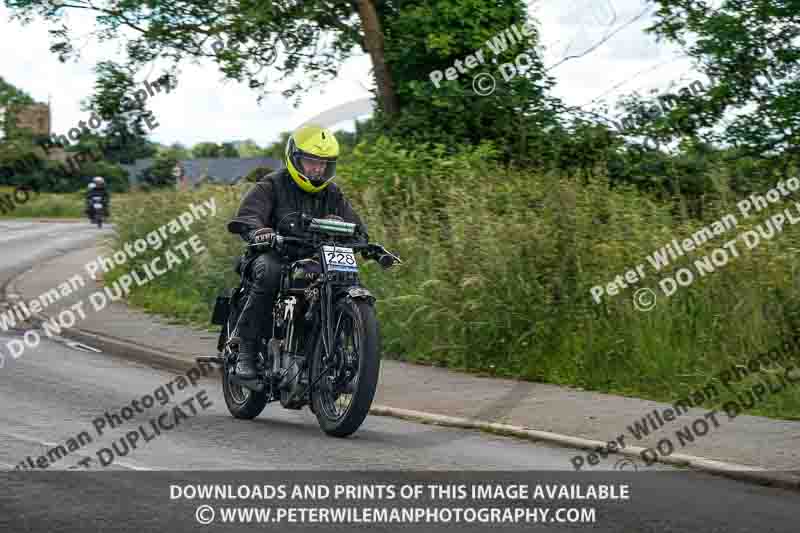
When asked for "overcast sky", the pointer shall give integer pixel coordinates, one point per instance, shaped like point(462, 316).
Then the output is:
point(203, 108)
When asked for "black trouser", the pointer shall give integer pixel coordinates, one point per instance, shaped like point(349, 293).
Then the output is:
point(263, 277)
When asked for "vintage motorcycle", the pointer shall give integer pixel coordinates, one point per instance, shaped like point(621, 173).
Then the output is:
point(325, 347)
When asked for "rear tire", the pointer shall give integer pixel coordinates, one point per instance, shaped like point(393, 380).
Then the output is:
point(364, 330)
point(242, 402)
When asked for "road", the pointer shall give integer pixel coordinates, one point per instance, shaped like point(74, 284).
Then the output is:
point(56, 392)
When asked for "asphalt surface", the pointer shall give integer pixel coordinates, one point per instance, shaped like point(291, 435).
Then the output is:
point(57, 392)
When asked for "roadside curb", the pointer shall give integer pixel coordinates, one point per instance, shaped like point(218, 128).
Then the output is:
point(739, 472)
point(171, 361)
point(115, 346)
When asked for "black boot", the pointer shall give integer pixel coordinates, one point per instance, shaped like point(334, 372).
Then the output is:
point(246, 364)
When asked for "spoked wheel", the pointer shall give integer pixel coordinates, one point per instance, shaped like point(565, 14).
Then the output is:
point(241, 401)
point(344, 393)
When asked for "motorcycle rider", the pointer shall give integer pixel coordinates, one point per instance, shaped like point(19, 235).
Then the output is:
point(97, 189)
point(303, 186)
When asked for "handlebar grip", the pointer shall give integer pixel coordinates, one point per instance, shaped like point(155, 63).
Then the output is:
point(275, 242)
point(385, 260)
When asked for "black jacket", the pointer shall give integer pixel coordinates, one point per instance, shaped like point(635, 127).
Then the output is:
point(277, 195)
point(97, 192)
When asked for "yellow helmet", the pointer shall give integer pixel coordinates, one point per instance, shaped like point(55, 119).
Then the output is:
point(311, 154)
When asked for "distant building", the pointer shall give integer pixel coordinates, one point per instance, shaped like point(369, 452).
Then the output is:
point(223, 170)
point(36, 118)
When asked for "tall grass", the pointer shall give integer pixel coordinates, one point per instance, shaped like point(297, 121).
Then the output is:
point(55, 205)
point(45, 205)
point(187, 291)
point(499, 264)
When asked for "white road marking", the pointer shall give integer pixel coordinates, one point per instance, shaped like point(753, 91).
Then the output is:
point(81, 346)
point(132, 466)
point(125, 464)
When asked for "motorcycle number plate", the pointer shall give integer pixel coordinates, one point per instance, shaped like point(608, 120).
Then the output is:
point(338, 258)
point(98, 206)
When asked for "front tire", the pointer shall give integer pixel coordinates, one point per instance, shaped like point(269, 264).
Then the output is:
point(356, 333)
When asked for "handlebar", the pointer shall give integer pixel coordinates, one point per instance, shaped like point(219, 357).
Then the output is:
point(368, 250)
point(381, 255)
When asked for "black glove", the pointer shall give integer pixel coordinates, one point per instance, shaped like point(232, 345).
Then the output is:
point(261, 239)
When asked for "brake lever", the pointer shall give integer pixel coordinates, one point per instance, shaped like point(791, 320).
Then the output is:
point(395, 259)
point(381, 254)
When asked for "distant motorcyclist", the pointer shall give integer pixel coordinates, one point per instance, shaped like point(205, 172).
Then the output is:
point(304, 186)
point(97, 192)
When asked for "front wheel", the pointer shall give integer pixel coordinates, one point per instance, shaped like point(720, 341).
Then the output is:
point(344, 393)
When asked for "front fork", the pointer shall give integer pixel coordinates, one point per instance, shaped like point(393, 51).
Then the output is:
point(328, 329)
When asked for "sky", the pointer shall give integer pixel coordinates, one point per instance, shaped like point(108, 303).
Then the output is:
point(614, 57)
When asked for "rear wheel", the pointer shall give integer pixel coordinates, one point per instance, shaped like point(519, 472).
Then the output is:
point(242, 402)
point(344, 393)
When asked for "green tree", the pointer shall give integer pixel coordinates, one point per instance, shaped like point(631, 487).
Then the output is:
point(125, 119)
point(177, 151)
point(160, 174)
point(228, 150)
point(250, 148)
point(206, 149)
point(277, 150)
point(750, 49)
point(428, 45)
point(312, 37)
point(405, 40)
point(10, 98)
